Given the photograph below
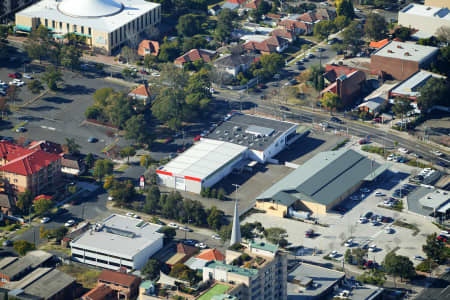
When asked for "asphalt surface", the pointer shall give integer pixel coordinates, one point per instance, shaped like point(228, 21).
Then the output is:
point(439, 289)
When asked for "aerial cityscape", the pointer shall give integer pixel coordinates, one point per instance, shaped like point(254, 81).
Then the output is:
point(225, 149)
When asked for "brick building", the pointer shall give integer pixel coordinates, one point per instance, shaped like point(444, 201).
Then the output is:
point(401, 60)
point(347, 87)
point(28, 169)
point(125, 285)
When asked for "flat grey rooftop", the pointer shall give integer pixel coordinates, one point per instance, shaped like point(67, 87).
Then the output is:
point(323, 277)
point(324, 177)
point(407, 51)
point(414, 204)
point(411, 86)
point(119, 235)
point(250, 131)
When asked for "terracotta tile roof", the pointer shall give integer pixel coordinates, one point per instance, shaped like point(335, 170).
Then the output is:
point(42, 196)
point(46, 146)
point(100, 292)
point(307, 17)
point(281, 32)
point(10, 151)
point(273, 16)
point(291, 25)
point(240, 2)
point(379, 44)
point(332, 72)
point(117, 278)
point(253, 4)
point(141, 90)
point(211, 254)
point(324, 14)
point(193, 55)
point(152, 46)
point(24, 161)
point(186, 249)
point(269, 45)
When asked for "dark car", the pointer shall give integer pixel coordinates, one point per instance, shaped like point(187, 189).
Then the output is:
point(298, 62)
point(368, 215)
point(284, 108)
point(300, 68)
point(442, 164)
point(336, 120)
point(92, 139)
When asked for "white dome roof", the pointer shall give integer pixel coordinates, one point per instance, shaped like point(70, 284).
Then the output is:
point(90, 8)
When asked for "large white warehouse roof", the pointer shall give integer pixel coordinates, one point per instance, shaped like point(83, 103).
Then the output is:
point(101, 15)
point(202, 159)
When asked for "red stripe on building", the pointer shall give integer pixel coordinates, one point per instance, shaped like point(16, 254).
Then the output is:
point(164, 172)
point(192, 178)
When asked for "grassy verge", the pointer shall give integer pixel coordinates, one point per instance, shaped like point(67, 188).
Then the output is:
point(413, 227)
point(340, 145)
point(85, 276)
point(21, 124)
point(415, 163)
point(55, 247)
point(122, 168)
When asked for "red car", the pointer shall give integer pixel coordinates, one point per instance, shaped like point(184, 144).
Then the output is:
point(442, 238)
point(197, 138)
point(13, 75)
point(369, 264)
point(378, 120)
point(363, 141)
point(143, 72)
point(309, 233)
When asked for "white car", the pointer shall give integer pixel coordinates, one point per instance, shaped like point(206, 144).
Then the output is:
point(379, 194)
point(323, 124)
point(173, 225)
point(130, 214)
point(372, 248)
point(437, 153)
point(389, 230)
point(333, 254)
point(185, 228)
point(28, 76)
point(45, 220)
point(155, 74)
point(363, 220)
point(403, 150)
point(201, 245)
point(215, 237)
point(348, 243)
point(110, 198)
point(69, 223)
point(391, 157)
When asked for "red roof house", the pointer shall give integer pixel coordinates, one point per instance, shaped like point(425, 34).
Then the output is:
point(253, 4)
point(283, 33)
point(100, 292)
point(332, 72)
point(141, 93)
point(211, 254)
point(194, 55)
point(148, 47)
point(298, 27)
point(309, 17)
point(270, 45)
point(125, 285)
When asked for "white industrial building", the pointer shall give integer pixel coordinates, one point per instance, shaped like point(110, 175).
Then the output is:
point(426, 19)
point(239, 140)
point(119, 241)
point(202, 165)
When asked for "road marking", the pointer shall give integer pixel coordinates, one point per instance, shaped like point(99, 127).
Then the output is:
point(47, 127)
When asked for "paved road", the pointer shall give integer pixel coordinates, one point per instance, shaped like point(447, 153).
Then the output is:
point(353, 128)
point(439, 289)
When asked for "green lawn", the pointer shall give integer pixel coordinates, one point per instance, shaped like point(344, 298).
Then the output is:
point(218, 289)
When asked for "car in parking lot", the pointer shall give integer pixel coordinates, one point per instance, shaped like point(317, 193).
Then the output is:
point(348, 243)
point(190, 242)
point(403, 150)
point(201, 245)
point(363, 220)
point(284, 108)
point(437, 153)
point(389, 230)
point(419, 258)
point(363, 141)
point(333, 254)
point(215, 237)
point(372, 248)
point(28, 76)
point(379, 194)
point(15, 75)
point(7, 243)
point(324, 124)
point(21, 129)
point(310, 55)
point(369, 264)
point(364, 190)
point(185, 228)
point(45, 220)
point(92, 139)
point(368, 215)
point(309, 233)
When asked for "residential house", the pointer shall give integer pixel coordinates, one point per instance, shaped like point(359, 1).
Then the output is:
point(184, 252)
point(211, 254)
point(27, 169)
point(72, 165)
point(125, 285)
point(308, 17)
point(194, 55)
point(297, 27)
point(233, 64)
point(272, 19)
point(148, 47)
point(374, 101)
point(333, 71)
point(253, 4)
point(347, 87)
point(215, 10)
point(100, 292)
point(324, 14)
point(283, 33)
point(141, 93)
point(400, 60)
point(271, 45)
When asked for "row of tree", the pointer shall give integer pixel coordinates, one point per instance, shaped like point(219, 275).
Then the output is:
point(173, 206)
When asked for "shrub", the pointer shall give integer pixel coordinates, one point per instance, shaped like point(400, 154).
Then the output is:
point(221, 194)
point(213, 193)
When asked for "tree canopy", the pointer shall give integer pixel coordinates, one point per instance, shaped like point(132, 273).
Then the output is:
point(345, 8)
point(398, 265)
point(434, 92)
point(375, 27)
point(434, 248)
point(22, 247)
point(102, 167)
point(351, 37)
point(331, 101)
point(190, 24)
point(224, 25)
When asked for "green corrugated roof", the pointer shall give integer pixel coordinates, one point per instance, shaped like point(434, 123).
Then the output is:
point(324, 177)
point(264, 246)
point(232, 269)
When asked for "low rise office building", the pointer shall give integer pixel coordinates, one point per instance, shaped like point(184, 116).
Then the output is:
point(426, 19)
point(119, 241)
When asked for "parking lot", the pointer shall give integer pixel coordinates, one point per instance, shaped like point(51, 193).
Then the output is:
point(343, 226)
point(59, 115)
